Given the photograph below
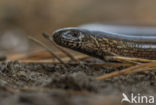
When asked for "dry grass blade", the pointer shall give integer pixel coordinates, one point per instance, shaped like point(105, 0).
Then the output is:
point(114, 65)
point(65, 60)
point(127, 70)
point(49, 61)
point(147, 69)
point(128, 59)
point(47, 36)
point(36, 54)
point(47, 48)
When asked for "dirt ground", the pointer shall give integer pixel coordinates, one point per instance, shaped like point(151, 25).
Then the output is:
point(55, 84)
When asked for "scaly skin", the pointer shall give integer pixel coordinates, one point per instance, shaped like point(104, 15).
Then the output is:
point(100, 44)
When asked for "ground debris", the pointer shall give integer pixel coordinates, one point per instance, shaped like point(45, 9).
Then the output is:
point(27, 83)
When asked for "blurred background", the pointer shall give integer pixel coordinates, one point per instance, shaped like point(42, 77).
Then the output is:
point(22, 18)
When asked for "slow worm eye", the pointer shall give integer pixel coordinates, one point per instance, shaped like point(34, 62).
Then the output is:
point(72, 35)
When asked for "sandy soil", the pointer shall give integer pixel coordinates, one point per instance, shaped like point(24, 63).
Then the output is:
point(53, 84)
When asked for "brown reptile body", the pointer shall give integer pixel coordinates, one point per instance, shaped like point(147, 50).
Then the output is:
point(100, 43)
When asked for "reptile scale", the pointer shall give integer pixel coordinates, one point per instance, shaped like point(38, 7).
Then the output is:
point(100, 40)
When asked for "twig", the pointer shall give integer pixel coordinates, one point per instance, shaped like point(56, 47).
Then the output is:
point(47, 48)
point(128, 70)
point(115, 65)
point(147, 69)
point(47, 36)
point(49, 61)
point(128, 59)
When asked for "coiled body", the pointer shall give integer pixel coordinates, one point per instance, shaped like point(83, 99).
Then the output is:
point(100, 40)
